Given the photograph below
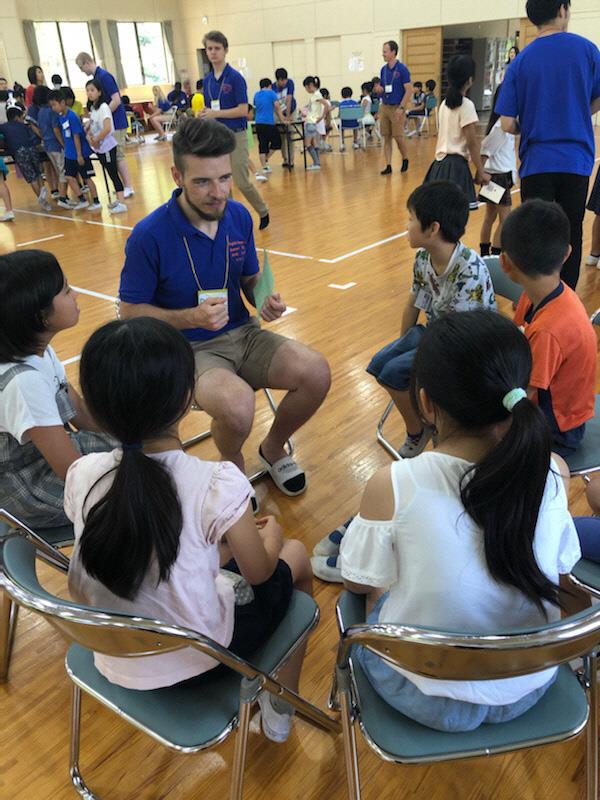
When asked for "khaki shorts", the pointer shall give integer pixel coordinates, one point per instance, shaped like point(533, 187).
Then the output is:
point(58, 161)
point(246, 351)
point(389, 124)
point(120, 137)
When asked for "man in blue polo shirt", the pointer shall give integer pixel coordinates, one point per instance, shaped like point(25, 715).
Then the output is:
point(284, 89)
point(395, 90)
point(553, 88)
point(88, 66)
point(188, 263)
point(226, 100)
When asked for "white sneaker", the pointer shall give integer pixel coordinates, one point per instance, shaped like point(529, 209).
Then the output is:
point(593, 261)
point(118, 208)
point(414, 445)
point(7, 216)
point(259, 177)
point(79, 204)
point(65, 204)
point(327, 568)
point(342, 148)
point(276, 726)
point(85, 188)
point(94, 207)
point(128, 192)
point(267, 168)
point(43, 195)
point(356, 146)
point(313, 166)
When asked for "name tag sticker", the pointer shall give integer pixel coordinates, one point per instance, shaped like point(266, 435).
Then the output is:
point(214, 294)
point(424, 301)
point(215, 105)
point(388, 88)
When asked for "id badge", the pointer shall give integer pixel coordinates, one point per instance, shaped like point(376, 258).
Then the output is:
point(424, 301)
point(388, 88)
point(205, 294)
point(215, 105)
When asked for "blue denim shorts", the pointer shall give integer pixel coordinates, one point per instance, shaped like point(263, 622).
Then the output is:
point(441, 713)
point(393, 364)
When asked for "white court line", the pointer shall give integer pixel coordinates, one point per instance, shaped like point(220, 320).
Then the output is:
point(342, 286)
point(290, 255)
point(94, 294)
point(74, 219)
point(45, 239)
point(71, 360)
point(108, 225)
point(363, 249)
point(289, 310)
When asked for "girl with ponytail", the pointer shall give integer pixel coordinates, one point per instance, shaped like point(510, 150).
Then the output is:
point(457, 133)
point(474, 535)
point(151, 522)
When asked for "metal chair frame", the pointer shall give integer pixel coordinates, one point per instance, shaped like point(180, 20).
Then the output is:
point(446, 656)
point(127, 636)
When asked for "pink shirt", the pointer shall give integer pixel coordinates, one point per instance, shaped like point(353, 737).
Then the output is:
point(213, 497)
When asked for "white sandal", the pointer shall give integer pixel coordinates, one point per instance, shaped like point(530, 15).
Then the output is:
point(286, 474)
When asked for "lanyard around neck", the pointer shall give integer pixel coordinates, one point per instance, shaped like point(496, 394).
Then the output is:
point(216, 80)
point(193, 266)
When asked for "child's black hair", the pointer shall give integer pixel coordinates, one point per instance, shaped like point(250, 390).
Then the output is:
point(443, 202)
point(325, 93)
point(467, 363)
point(4, 95)
point(124, 99)
point(57, 95)
point(460, 69)
point(40, 96)
point(68, 93)
point(137, 378)
point(494, 116)
point(314, 79)
point(199, 85)
point(346, 92)
point(56, 79)
point(29, 282)
point(14, 112)
point(101, 98)
point(430, 85)
point(367, 87)
point(542, 11)
point(281, 74)
point(418, 83)
point(536, 236)
point(265, 83)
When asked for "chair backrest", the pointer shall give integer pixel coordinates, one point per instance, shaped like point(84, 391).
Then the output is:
point(375, 106)
point(9, 524)
point(503, 285)
point(351, 113)
point(430, 102)
point(448, 655)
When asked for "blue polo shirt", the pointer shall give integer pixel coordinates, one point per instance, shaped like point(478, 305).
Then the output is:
point(71, 125)
point(179, 99)
point(47, 121)
point(230, 90)
point(157, 269)
point(550, 87)
point(288, 89)
point(395, 76)
point(264, 107)
point(109, 86)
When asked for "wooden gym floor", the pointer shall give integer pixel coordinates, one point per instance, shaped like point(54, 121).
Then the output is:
point(343, 266)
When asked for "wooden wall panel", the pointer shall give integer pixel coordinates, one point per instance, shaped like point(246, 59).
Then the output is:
point(528, 32)
point(422, 54)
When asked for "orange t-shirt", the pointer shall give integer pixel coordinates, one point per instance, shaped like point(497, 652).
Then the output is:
point(564, 346)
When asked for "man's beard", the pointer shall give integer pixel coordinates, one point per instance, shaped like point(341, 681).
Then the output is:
point(202, 214)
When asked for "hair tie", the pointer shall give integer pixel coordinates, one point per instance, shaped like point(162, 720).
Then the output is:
point(132, 446)
point(510, 399)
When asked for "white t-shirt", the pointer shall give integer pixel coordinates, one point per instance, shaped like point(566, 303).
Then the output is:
point(499, 147)
point(97, 117)
point(431, 556)
point(213, 497)
point(451, 139)
point(315, 107)
point(29, 399)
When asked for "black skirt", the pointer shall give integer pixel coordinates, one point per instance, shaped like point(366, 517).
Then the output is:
point(454, 168)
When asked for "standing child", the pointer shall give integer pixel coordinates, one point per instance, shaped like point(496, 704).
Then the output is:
point(317, 108)
point(325, 126)
point(457, 136)
point(77, 151)
point(266, 106)
point(349, 124)
point(153, 524)
point(366, 102)
point(102, 141)
point(8, 214)
point(47, 122)
point(21, 145)
point(474, 536)
point(498, 150)
point(37, 404)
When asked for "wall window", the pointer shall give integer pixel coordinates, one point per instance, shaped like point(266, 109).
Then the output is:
point(59, 43)
point(144, 53)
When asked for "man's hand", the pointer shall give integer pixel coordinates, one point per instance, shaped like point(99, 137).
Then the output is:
point(273, 307)
point(212, 314)
point(208, 113)
point(400, 112)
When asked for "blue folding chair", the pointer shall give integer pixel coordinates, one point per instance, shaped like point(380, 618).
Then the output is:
point(567, 707)
point(351, 114)
point(186, 718)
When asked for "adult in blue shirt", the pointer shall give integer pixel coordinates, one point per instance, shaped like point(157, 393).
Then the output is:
point(284, 89)
point(188, 263)
point(178, 97)
point(87, 65)
point(395, 91)
point(226, 100)
point(553, 88)
point(266, 105)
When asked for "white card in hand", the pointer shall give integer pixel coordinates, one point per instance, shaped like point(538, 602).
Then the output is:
point(492, 191)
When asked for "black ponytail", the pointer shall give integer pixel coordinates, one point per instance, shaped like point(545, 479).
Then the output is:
point(460, 69)
point(137, 378)
point(494, 116)
point(467, 362)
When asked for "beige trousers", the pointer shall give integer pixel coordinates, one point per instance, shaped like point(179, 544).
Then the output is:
point(239, 168)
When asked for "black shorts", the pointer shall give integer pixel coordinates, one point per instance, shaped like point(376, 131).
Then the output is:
point(504, 179)
point(268, 138)
point(73, 168)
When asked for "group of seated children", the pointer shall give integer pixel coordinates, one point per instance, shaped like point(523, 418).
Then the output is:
point(473, 535)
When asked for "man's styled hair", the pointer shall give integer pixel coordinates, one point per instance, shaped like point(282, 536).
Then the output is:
point(265, 83)
point(204, 138)
point(216, 36)
point(84, 58)
point(535, 236)
point(443, 202)
point(542, 11)
point(280, 74)
point(393, 46)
